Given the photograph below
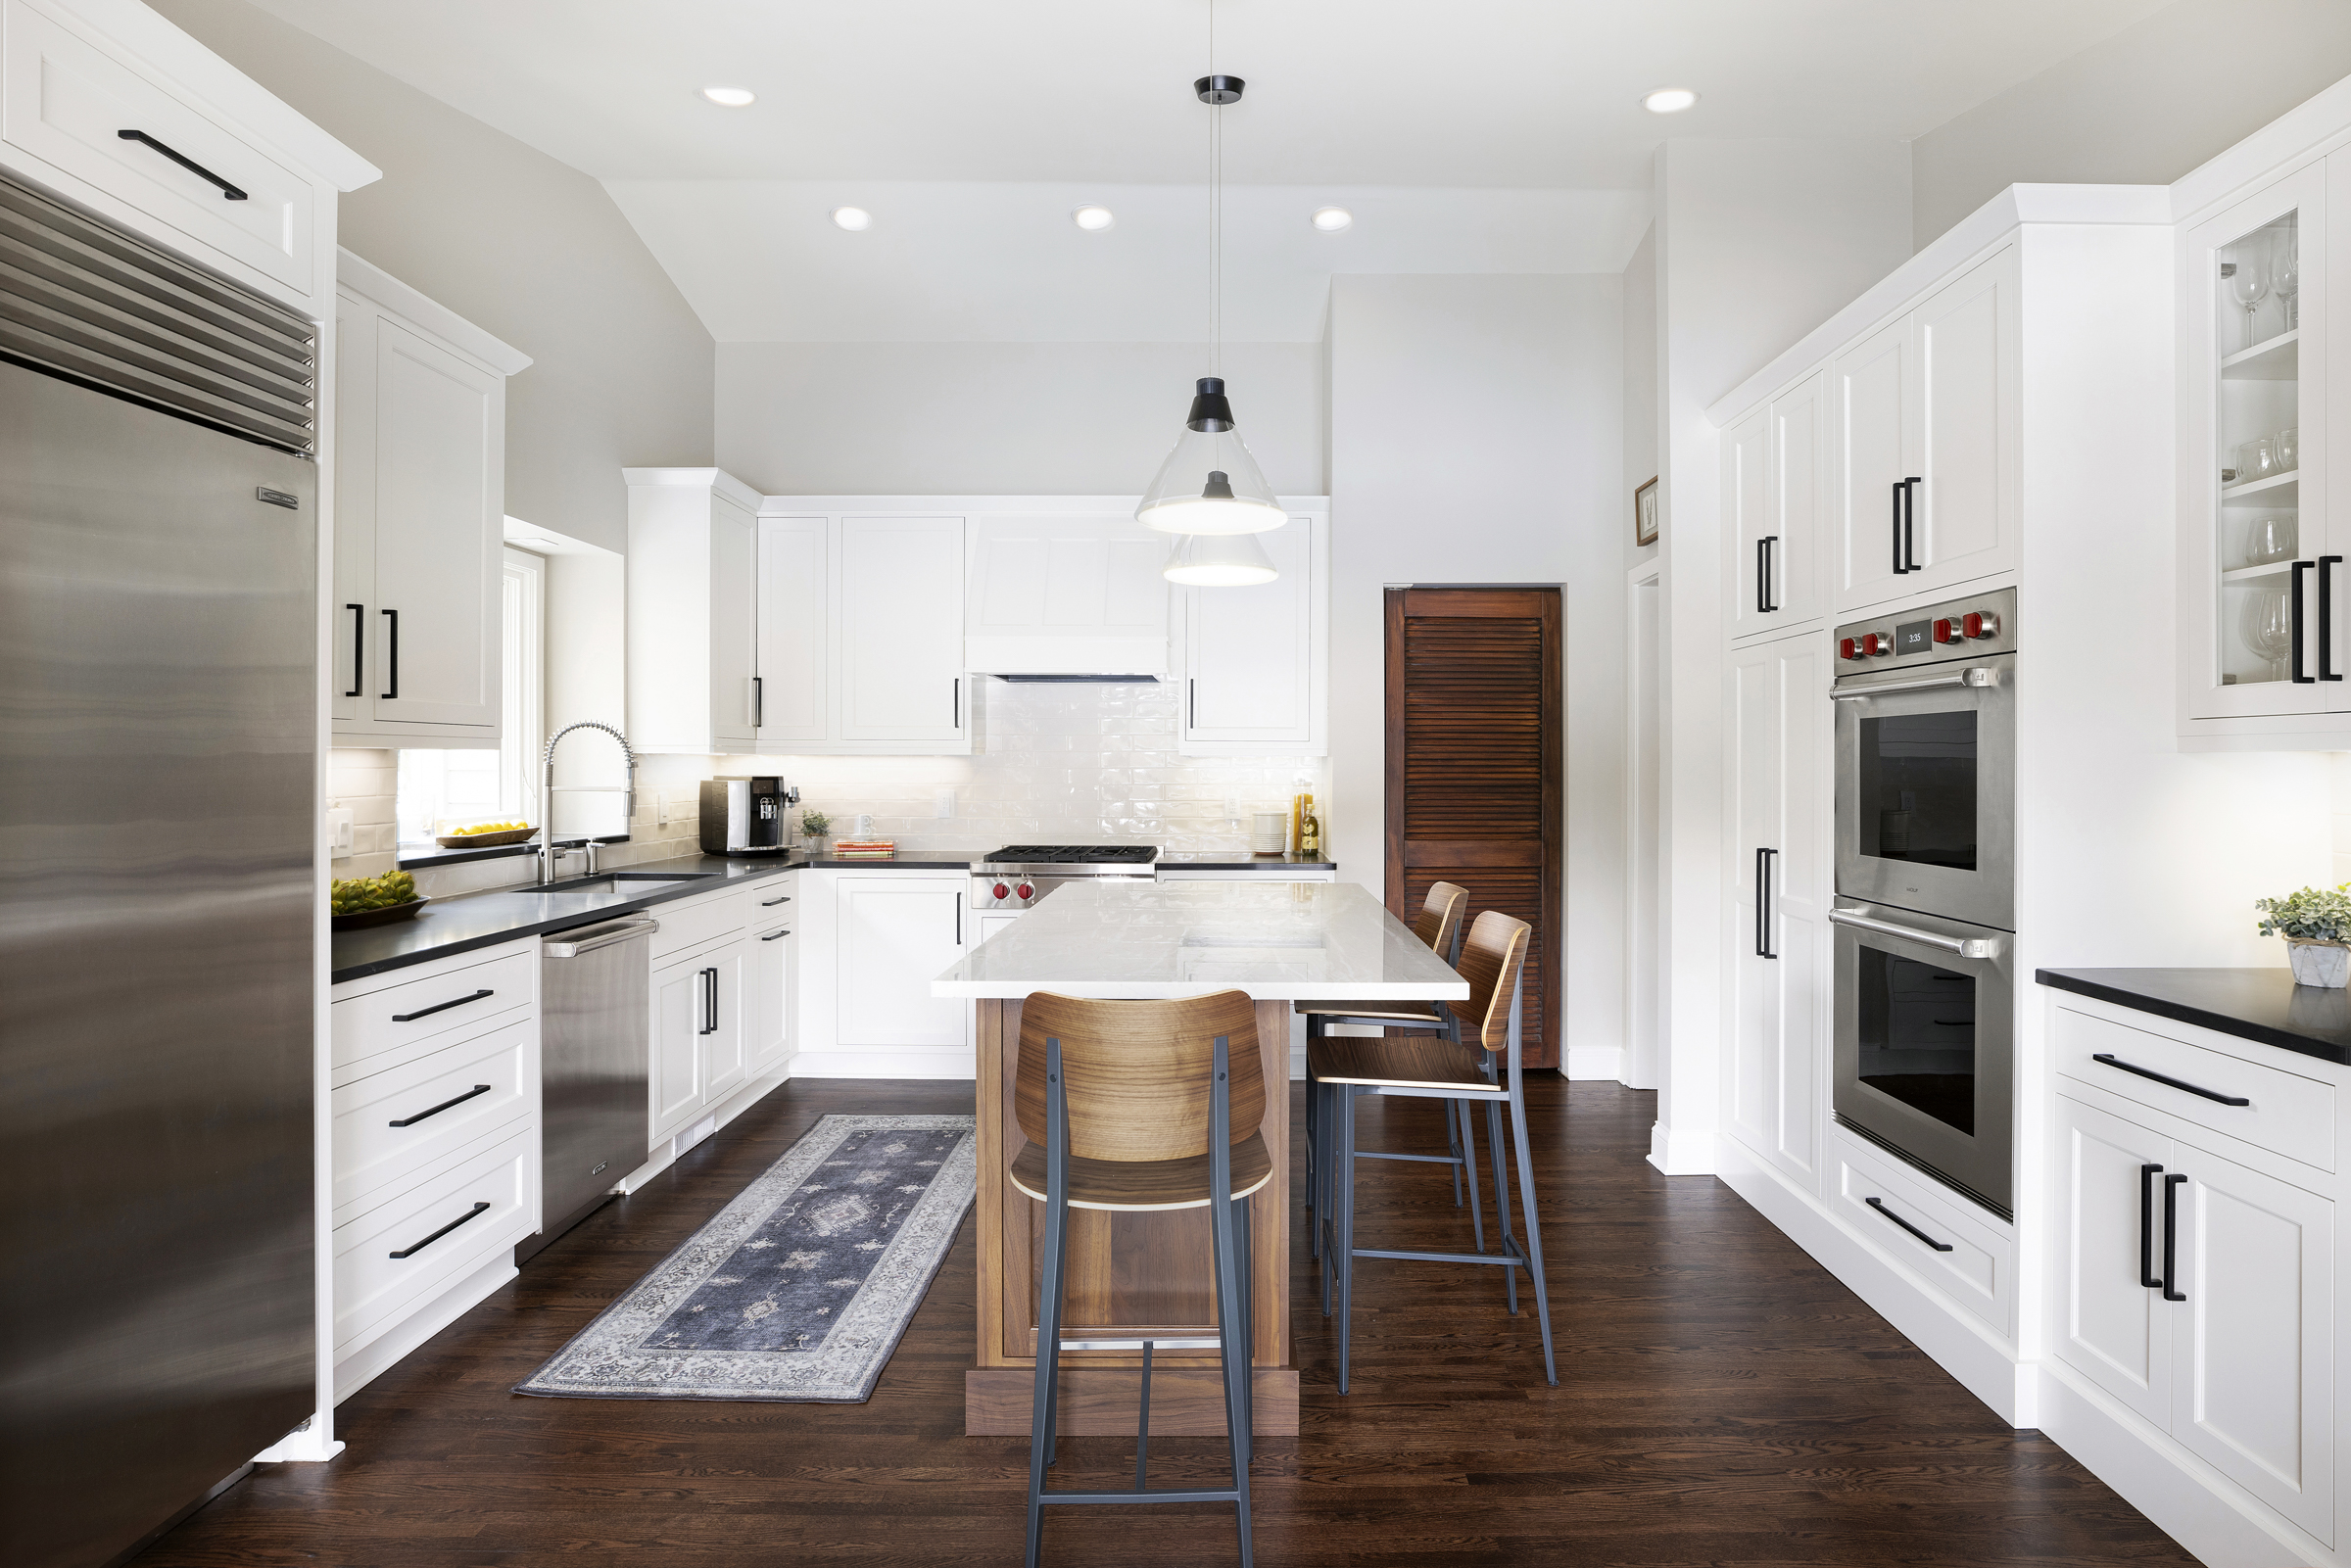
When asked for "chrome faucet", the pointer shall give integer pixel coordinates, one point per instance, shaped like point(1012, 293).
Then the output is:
point(550, 850)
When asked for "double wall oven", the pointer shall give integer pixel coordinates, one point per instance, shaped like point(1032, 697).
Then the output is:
point(1925, 881)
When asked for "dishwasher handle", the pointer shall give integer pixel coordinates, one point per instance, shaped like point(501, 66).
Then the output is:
point(589, 938)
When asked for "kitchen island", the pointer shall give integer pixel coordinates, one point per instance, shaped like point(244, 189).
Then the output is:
point(1132, 1274)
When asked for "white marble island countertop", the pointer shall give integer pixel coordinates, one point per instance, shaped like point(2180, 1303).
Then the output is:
point(1141, 942)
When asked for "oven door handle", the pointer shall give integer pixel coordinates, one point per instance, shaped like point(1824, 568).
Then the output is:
point(1974, 676)
point(1964, 946)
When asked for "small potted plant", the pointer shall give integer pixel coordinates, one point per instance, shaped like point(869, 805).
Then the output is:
point(2317, 927)
point(815, 824)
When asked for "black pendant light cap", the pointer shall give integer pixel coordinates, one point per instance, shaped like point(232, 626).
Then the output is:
point(1219, 89)
point(1210, 410)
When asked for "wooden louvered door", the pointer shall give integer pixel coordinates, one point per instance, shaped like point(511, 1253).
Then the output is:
point(1474, 787)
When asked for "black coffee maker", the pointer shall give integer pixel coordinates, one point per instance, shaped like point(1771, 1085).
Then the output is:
point(747, 816)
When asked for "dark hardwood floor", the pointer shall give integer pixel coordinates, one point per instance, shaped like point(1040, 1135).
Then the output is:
point(1721, 1400)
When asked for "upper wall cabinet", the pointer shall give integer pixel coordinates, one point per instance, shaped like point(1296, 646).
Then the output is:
point(1075, 594)
point(420, 509)
point(1256, 660)
point(111, 106)
point(694, 616)
point(1775, 498)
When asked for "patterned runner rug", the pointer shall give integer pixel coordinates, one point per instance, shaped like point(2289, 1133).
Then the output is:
point(799, 1288)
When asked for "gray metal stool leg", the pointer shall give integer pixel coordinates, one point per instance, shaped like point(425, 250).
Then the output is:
point(1343, 1202)
point(1534, 1229)
point(1502, 1202)
point(1459, 1111)
point(1043, 1415)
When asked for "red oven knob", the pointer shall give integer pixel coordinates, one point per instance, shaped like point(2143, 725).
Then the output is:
point(1946, 631)
point(1849, 647)
point(1028, 891)
point(1877, 645)
point(1980, 622)
point(1003, 892)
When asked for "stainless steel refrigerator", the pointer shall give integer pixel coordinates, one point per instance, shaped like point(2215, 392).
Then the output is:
point(159, 732)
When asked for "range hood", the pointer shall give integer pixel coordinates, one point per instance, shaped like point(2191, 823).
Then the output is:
point(1068, 657)
point(1074, 597)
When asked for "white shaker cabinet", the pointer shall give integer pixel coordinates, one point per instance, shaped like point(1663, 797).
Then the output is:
point(1779, 913)
point(419, 517)
point(1776, 498)
point(1256, 667)
point(899, 617)
point(693, 612)
point(894, 931)
point(699, 1033)
point(795, 643)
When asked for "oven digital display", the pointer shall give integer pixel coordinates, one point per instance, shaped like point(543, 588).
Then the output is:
point(1918, 778)
point(1914, 637)
point(1917, 1035)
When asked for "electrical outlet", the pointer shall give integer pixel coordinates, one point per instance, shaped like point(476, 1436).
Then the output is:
point(942, 802)
point(661, 811)
point(338, 832)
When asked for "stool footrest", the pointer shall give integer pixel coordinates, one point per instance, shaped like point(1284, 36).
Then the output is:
point(1207, 1342)
point(1513, 1258)
point(1149, 1495)
point(1426, 1160)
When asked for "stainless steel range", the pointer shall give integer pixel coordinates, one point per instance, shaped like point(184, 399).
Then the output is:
point(1016, 876)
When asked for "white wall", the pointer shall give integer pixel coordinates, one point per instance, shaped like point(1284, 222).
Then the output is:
point(1475, 434)
point(1639, 754)
point(2141, 107)
point(1757, 242)
point(1001, 418)
point(525, 247)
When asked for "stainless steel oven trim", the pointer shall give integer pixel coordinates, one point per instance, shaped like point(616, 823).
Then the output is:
point(1985, 896)
point(1980, 1167)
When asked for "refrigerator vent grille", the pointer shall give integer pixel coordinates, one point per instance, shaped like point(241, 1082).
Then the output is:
point(85, 301)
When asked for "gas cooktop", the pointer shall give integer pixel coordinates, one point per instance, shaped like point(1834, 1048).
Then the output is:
point(1074, 854)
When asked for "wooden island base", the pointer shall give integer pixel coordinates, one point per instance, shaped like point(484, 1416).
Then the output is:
point(1130, 1275)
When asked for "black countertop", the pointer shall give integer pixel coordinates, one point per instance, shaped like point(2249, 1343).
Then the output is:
point(2261, 1005)
point(450, 926)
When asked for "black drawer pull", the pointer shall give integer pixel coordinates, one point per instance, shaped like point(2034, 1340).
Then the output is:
point(1880, 1206)
point(229, 192)
point(475, 1213)
point(2149, 1072)
point(778, 934)
point(410, 1122)
point(770, 903)
point(439, 1007)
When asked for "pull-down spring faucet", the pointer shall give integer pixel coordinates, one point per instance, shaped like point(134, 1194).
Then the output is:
point(550, 850)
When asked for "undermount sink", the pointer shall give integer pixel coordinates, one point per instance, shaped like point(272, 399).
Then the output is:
point(630, 883)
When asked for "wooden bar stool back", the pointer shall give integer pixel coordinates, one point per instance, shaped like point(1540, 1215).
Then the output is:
point(1142, 1106)
point(1480, 1059)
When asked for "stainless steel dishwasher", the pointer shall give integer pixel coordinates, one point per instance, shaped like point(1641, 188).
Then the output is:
point(595, 1043)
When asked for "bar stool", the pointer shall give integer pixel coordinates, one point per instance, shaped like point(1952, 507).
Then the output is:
point(1483, 1036)
point(1142, 1106)
point(1439, 925)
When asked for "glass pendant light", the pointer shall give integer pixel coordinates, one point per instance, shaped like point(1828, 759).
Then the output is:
point(1219, 560)
point(1210, 484)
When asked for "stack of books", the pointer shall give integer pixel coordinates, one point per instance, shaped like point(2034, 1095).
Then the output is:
point(864, 848)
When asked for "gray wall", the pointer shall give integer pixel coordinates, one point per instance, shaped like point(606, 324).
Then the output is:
point(2142, 106)
point(1476, 429)
point(524, 246)
point(1001, 418)
point(1641, 453)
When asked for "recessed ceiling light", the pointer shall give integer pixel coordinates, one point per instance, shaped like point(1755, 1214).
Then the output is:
point(1092, 218)
point(1668, 100)
point(852, 219)
point(731, 97)
point(1331, 220)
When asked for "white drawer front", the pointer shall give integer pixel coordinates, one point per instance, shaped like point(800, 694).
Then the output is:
point(399, 1018)
point(64, 101)
point(2285, 1112)
point(448, 1097)
point(374, 1290)
point(1911, 1216)
point(691, 922)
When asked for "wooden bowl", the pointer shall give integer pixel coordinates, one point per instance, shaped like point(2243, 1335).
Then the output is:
point(512, 836)
point(358, 920)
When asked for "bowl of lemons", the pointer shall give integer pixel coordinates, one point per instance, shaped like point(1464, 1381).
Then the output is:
point(485, 836)
point(365, 901)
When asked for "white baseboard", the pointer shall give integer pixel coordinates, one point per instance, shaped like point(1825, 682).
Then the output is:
point(2175, 1492)
point(1681, 1153)
point(301, 1446)
point(370, 1360)
point(1595, 1062)
point(906, 1061)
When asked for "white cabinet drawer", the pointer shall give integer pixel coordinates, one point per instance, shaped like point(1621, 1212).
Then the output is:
point(443, 1001)
point(65, 100)
point(1970, 1260)
point(444, 1228)
point(2283, 1112)
point(390, 1125)
point(691, 922)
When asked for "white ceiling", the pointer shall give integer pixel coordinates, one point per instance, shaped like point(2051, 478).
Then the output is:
point(1480, 135)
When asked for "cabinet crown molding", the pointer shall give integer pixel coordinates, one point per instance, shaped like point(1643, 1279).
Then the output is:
point(717, 480)
point(362, 276)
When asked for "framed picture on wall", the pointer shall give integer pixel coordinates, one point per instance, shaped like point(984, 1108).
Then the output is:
point(1645, 514)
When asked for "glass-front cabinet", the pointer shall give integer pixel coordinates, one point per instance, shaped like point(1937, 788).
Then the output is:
point(2268, 595)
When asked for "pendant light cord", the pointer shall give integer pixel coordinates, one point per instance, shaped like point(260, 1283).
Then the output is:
point(1215, 211)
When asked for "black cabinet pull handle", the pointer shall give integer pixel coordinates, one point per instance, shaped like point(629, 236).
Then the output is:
point(410, 1122)
point(1772, 560)
point(1883, 1211)
point(2294, 604)
point(776, 935)
point(229, 192)
point(416, 1247)
point(392, 653)
point(958, 920)
point(358, 644)
point(1191, 700)
point(709, 1002)
point(2146, 1229)
point(1899, 568)
point(2171, 1238)
point(2326, 670)
point(1910, 524)
point(441, 1007)
point(773, 902)
point(2120, 1065)
point(956, 705)
point(1764, 860)
point(759, 703)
